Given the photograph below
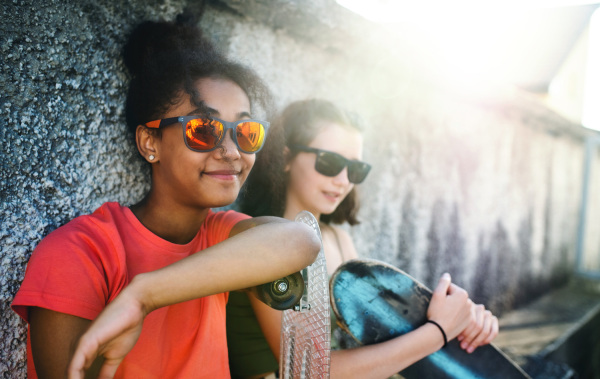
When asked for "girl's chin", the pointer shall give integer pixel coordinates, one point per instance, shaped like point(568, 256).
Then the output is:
point(326, 210)
point(222, 201)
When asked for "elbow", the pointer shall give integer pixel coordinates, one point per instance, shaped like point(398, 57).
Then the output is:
point(311, 244)
point(303, 245)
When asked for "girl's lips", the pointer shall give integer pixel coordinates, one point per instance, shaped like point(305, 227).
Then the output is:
point(223, 174)
point(333, 196)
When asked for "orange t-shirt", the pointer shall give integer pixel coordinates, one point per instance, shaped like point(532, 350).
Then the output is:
point(83, 265)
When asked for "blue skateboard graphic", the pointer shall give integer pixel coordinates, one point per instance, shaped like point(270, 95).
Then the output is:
point(375, 302)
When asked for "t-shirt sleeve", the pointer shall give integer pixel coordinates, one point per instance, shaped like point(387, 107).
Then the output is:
point(221, 223)
point(65, 274)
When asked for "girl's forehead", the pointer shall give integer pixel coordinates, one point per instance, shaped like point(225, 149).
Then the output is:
point(340, 139)
point(329, 132)
point(218, 94)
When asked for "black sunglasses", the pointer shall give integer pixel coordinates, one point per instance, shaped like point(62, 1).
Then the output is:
point(329, 163)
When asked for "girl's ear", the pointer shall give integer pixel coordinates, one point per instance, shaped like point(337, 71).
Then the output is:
point(147, 143)
point(286, 158)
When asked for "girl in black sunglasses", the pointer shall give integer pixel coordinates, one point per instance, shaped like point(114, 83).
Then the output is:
point(312, 161)
point(168, 261)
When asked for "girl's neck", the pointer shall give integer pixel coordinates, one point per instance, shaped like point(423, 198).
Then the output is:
point(170, 221)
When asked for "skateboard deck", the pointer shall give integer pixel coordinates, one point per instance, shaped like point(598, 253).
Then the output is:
point(374, 302)
point(306, 329)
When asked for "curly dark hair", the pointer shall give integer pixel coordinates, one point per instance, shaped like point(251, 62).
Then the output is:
point(300, 122)
point(166, 58)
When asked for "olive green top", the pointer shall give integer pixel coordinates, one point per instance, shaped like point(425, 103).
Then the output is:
point(249, 352)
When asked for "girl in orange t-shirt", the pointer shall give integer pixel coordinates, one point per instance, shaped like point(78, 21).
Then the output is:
point(168, 257)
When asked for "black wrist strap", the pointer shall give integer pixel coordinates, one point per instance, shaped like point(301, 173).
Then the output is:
point(441, 330)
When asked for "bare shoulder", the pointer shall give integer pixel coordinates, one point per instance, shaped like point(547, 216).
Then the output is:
point(346, 243)
point(334, 235)
point(341, 233)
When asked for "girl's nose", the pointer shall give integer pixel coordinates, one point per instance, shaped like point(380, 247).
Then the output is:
point(228, 149)
point(342, 178)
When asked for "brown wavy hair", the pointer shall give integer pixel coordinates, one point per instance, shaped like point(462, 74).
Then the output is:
point(299, 123)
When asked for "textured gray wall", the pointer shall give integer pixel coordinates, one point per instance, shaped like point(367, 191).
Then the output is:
point(484, 185)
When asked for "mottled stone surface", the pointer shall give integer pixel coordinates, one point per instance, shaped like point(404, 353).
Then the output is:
point(64, 146)
point(485, 185)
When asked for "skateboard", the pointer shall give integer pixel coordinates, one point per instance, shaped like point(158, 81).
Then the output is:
point(374, 302)
point(306, 329)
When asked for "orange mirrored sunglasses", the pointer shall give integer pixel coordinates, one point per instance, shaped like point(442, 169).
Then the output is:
point(205, 134)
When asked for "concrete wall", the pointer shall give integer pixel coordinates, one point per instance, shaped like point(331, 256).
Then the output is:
point(485, 185)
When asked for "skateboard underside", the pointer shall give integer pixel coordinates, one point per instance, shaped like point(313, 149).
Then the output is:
point(375, 302)
point(306, 331)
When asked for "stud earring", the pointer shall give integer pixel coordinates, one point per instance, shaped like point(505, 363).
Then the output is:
point(151, 157)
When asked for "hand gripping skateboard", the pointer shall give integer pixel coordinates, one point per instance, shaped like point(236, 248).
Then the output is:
point(306, 329)
point(374, 302)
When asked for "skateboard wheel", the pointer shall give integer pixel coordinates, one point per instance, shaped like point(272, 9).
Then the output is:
point(282, 293)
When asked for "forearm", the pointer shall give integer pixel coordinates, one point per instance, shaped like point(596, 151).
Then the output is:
point(262, 254)
point(385, 359)
point(269, 320)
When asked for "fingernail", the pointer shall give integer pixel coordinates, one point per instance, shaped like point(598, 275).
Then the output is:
point(463, 345)
point(446, 275)
point(470, 349)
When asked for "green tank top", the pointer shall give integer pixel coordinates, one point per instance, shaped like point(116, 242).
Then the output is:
point(249, 352)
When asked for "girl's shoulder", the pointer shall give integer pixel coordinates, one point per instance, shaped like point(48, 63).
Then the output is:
point(340, 234)
point(219, 225)
point(338, 245)
point(88, 225)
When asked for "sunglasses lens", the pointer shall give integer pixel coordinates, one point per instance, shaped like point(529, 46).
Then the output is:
point(203, 134)
point(329, 164)
point(250, 136)
point(358, 171)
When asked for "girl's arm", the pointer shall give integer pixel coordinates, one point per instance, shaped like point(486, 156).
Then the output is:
point(272, 249)
point(450, 307)
point(53, 338)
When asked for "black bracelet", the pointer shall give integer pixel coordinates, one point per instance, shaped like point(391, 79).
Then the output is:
point(441, 330)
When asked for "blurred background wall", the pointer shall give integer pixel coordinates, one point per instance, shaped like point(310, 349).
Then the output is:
point(471, 175)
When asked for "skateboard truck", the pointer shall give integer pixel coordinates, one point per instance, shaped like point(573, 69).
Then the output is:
point(303, 305)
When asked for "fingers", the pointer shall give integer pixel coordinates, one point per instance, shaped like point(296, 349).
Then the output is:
point(76, 368)
point(482, 330)
point(82, 359)
point(87, 351)
point(441, 290)
point(449, 307)
point(474, 328)
point(494, 331)
point(109, 368)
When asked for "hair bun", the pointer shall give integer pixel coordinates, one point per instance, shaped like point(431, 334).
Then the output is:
point(140, 44)
point(151, 41)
